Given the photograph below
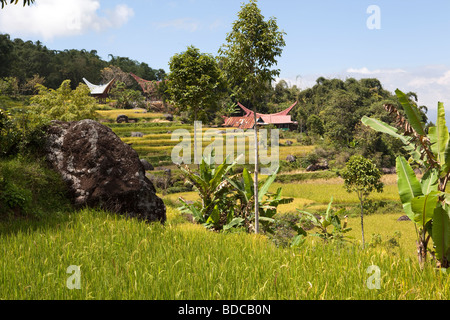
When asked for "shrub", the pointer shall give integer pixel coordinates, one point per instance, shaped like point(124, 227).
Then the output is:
point(64, 103)
point(28, 188)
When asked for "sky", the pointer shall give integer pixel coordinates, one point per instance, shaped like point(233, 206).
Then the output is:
point(404, 43)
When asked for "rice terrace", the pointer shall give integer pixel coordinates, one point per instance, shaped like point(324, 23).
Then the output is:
point(218, 179)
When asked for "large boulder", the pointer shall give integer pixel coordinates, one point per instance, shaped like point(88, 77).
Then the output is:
point(101, 170)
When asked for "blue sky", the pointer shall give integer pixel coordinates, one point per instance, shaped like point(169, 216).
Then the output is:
point(329, 38)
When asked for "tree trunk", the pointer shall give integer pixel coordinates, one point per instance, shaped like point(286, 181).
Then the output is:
point(256, 175)
point(362, 221)
point(421, 253)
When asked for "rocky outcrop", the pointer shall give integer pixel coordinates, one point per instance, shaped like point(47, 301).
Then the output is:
point(101, 170)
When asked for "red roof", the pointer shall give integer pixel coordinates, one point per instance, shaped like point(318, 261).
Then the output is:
point(147, 86)
point(247, 121)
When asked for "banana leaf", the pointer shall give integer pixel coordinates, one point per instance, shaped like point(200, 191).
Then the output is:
point(423, 207)
point(441, 232)
point(408, 185)
point(439, 135)
point(411, 112)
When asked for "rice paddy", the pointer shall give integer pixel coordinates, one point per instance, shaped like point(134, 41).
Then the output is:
point(124, 259)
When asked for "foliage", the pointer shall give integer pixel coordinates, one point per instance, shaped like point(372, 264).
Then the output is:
point(194, 83)
point(340, 105)
point(114, 72)
point(363, 177)
point(315, 125)
point(215, 208)
point(322, 223)
point(244, 186)
point(126, 98)
point(25, 2)
point(64, 103)
point(30, 85)
point(228, 201)
point(250, 52)
point(28, 188)
point(9, 86)
point(424, 199)
point(24, 59)
point(9, 136)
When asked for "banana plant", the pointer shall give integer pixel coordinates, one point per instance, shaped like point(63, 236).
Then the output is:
point(322, 222)
point(424, 199)
point(210, 182)
point(268, 202)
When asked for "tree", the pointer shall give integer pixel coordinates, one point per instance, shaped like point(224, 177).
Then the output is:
point(127, 98)
point(315, 125)
point(64, 103)
point(425, 200)
point(113, 72)
point(25, 2)
point(251, 51)
point(363, 177)
point(6, 48)
point(194, 84)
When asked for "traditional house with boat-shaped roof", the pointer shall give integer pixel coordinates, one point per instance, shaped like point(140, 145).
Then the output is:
point(282, 120)
point(150, 88)
point(100, 92)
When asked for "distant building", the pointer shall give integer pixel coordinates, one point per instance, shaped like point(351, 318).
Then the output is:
point(150, 88)
point(281, 119)
point(100, 92)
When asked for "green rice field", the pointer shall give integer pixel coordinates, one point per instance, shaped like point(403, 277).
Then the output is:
point(122, 259)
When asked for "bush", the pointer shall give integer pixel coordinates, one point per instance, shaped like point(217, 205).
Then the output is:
point(64, 103)
point(28, 188)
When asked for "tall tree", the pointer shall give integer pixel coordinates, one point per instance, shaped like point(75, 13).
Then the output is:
point(248, 58)
point(195, 81)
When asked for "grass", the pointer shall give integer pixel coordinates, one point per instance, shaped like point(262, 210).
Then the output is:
point(128, 259)
point(140, 114)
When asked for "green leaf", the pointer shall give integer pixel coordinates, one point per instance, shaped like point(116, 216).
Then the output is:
point(248, 183)
point(197, 214)
point(429, 181)
point(441, 232)
point(262, 192)
point(408, 185)
point(214, 217)
point(266, 219)
point(411, 113)
point(383, 127)
point(423, 207)
point(236, 222)
point(298, 240)
point(439, 136)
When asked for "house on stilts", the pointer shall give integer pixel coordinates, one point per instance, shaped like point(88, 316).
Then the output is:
point(282, 120)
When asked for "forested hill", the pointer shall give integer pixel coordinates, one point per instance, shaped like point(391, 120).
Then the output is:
point(330, 114)
point(25, 59)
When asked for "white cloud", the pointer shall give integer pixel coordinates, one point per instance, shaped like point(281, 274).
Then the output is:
point(185, 24)
point(61, 18)
point(366, 71)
